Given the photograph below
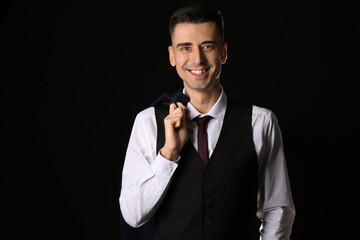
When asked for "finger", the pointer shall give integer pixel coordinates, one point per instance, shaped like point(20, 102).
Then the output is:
point(178, 123)
point(172, 108)
point(181, 105)
point(176, 105)
point(176, 119)
point(175, 116)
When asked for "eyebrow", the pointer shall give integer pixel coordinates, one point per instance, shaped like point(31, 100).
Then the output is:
point(184, 44)
point(208, 42)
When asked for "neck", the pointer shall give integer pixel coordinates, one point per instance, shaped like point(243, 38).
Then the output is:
point(203, 101)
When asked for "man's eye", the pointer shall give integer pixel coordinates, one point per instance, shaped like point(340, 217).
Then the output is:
point(207, 47)
point(185, 48)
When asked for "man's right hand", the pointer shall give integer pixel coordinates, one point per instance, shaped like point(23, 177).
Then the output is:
point(176, 133)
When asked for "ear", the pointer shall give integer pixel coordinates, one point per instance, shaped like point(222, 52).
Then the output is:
point(171, 56)
point(224, 53)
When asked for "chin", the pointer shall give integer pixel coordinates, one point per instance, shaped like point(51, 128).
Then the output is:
point(200, 86)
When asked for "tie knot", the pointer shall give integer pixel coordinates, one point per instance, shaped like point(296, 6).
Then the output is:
point(203, 121)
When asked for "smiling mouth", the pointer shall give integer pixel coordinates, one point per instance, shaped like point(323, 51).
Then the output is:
point(198, 72)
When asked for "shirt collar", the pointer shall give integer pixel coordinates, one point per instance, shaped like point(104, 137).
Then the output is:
point(217, 111)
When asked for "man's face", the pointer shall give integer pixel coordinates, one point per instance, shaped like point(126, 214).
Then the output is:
point(198, 53)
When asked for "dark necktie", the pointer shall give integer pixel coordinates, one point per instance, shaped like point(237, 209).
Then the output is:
point(202, 137)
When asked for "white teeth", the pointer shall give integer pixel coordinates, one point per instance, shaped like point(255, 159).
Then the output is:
point(198, 71)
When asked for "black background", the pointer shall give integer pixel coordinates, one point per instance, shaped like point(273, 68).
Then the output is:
point(74, 74)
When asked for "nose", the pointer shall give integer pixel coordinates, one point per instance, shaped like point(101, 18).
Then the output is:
point(197, 56)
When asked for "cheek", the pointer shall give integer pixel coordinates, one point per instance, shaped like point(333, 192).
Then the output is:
point(180, 71)
point(180, 62)
point(215, 61)
point(213, 57)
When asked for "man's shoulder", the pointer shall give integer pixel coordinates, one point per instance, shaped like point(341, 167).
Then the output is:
point(263, 116)
point(257, 110)
point(152, 113)
point(146, 113)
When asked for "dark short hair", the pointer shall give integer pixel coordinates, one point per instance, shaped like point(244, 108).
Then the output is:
point(197, 13)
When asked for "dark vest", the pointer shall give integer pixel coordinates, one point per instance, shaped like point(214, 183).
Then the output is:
point(217, 200)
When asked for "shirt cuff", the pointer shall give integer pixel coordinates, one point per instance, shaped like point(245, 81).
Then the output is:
point(163, 166)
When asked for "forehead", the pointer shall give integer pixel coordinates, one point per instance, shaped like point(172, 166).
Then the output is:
point(193, 32)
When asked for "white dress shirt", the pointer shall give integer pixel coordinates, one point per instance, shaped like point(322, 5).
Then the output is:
point(147, 175)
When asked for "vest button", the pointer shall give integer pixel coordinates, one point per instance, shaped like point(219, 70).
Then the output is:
point(207, 221)
point(206, 179)
point(207, 201)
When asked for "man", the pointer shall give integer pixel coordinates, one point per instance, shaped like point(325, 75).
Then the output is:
point(227, 189)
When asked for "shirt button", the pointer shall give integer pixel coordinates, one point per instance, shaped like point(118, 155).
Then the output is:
point(169, 170)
